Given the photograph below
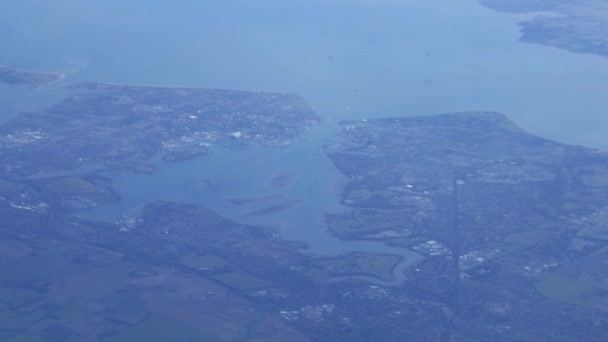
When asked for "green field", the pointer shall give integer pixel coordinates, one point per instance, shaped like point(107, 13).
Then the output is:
point(582, 291)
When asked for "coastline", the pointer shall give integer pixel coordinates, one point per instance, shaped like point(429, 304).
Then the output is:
point(21, 74)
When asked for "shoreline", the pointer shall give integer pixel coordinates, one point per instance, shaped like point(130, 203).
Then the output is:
point(56, 76)
point(85, 84)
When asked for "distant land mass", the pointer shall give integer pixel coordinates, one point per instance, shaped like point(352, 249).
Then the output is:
point(578, 26)
point(31, 79)
point(512, 229)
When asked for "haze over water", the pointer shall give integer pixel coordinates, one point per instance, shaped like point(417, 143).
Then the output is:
point(350, 58)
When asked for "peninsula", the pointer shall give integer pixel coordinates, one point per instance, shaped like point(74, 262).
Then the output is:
point(31, 79)
point(122, 127)
point(505, 218)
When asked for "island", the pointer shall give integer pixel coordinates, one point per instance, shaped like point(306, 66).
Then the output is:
point(31, 79)
point(576, 26)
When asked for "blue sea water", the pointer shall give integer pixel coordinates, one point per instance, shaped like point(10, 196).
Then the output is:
point(349, 58)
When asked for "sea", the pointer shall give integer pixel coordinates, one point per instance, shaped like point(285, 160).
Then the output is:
point(352, 59)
